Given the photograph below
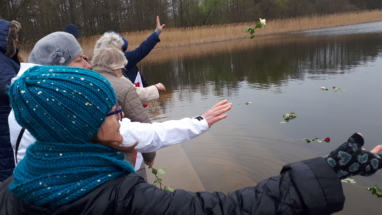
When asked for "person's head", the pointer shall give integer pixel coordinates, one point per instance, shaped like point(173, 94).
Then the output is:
point(73, 30)
point(108, 133)
point(66, 105)
point(109, 39)
point(111, 58)
point(58, 49)
point(125, 42)
point(71, 114)
point(9, 37)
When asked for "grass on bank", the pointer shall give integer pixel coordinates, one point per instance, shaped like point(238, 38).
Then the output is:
point(174, 37)
point(177, 37)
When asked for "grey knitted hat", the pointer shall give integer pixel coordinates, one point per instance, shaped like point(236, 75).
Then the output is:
point(58, 48)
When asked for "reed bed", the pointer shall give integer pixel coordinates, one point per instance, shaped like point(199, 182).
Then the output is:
point(200, 50)
point(179, 37)
point(174, 37)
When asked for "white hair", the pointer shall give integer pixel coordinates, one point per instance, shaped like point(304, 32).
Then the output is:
point(111, 58)
point(109, 40)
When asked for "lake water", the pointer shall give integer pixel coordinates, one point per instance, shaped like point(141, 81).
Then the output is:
point(278, 74)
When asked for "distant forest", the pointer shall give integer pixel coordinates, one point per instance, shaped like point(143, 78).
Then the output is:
point(41, 17)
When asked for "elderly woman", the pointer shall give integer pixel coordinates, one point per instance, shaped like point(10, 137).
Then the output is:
point(109, 62)
point(114, 40)
point(135, 56)
point(75, 165)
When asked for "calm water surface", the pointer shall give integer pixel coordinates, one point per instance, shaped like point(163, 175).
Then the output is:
point(278, 75)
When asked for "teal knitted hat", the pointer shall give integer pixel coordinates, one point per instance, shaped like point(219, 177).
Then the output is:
point(60, 101)
point(63, 108)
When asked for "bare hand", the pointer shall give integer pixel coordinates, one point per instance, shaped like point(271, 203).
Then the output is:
point(150, 164)
point(159, 26)
point(160, 87)
point(377, 149)
point(215, 114)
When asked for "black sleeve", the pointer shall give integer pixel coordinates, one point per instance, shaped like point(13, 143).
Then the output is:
point(306, 187)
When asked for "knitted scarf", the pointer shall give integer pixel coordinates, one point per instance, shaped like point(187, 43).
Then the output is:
point(54, 174)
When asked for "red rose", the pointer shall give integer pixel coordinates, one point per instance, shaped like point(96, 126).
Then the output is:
point(334, 87)
point(327, 139)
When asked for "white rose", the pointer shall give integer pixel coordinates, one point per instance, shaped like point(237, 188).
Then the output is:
point(263, 21)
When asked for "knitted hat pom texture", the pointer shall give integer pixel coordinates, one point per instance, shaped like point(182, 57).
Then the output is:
point(61, 104)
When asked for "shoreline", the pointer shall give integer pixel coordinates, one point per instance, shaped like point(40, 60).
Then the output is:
point(175, 38)
point(200, 50)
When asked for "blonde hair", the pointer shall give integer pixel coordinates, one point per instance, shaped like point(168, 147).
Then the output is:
point(111, 58)
point(109, 40)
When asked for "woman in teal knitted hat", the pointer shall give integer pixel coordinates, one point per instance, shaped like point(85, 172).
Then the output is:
point(75, 166)
point(65, 109)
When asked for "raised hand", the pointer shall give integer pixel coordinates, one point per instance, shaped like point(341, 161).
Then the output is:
point(159, 26)
point(215, 114)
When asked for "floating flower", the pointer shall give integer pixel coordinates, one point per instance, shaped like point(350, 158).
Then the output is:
point(348, 180)
point(248, 103)
point(289, 116)
point(337, 89)
point(324, 88)
point(327, 139)
point(375, 190)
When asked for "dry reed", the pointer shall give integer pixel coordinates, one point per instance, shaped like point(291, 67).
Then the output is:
point(178, 37)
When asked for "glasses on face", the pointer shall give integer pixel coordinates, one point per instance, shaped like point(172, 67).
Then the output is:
point(118, 111)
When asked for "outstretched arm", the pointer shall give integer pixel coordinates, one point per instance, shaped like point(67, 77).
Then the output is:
point(134, 56)
point(306, 187)
point(151, 137)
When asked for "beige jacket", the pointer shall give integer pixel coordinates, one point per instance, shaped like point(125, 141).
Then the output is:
point(128, 99)
point(146, 94)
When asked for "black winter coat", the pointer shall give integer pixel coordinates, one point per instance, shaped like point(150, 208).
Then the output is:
point(306, 187)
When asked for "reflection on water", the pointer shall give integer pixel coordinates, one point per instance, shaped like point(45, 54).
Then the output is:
point(278, 74)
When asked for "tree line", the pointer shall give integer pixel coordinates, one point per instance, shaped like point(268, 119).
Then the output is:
point(41, 17)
